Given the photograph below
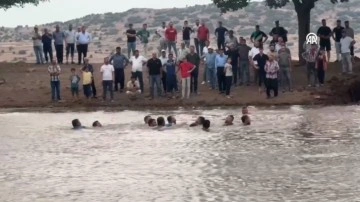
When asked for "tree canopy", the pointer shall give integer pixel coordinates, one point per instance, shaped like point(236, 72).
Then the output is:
point(5, 4)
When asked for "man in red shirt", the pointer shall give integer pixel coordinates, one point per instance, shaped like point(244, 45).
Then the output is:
point(171, 37)
point(185, 69)
point(203, 36)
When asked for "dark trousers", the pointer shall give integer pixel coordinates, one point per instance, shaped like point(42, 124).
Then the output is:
point(163, 81)
point(93, 88)
point(202, 45)
point(119, 79)
point(235, 72)
point(82, 52)
point(55, 90)
point(321, 75)
point(272, 84)
point(59, 53)
point(108, 86)
point(194, 80)
point(171, 83)
point(87, 90)
point(70, 49)
point(262, 77)
point(221, 44)
point(221, 79)
point(48, 53)
point(139, 76)
point(196, 43)
point(228, 83)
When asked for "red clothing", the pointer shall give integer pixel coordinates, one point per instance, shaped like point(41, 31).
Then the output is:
point(203, 33)
point(185, 67)
point(170, 34)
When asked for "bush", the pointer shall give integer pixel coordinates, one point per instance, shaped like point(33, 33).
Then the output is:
point(22, 52)
point(135, 19)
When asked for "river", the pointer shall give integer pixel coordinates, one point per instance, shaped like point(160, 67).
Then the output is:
point(287, 154)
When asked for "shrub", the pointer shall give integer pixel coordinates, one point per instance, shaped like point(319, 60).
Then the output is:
point(135, 19)
point(22, 52)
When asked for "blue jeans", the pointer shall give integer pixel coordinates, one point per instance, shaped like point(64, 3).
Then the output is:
point(139, 76)
point(108, 85)
point(55, 90)
point(212, 77)
point(38, 50)
point(155, 80)
point(285, 78)
point(172, 44)
point(87, 90)
point(131, 46)
point(171, 83)
point(244, 72)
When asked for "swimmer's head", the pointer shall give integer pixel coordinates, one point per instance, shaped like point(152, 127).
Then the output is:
point(200, 120)
point(206, 124)
point(245, 110)
point(245, 119)
point(147, 118)
point(171, 120)
point(229, 120)
point(160, 121)
point(151, 122)
point(96, 124)
point(76, 123)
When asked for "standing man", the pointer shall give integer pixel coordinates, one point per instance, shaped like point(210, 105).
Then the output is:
point(119, 61)
point(220, 33)
point(231, 40)
point(47, 45)
point(252, 53)
point(78, 32)
point(186, 34)
point(203, 36)
point(233, 54)
point(90, 69)
point(54, 71)
point(336, 35)
point(38, 46)
point(138, 61)
point(209, 59)
point(154, 66)
point(160, 32)
point(59, 38)
point(279, 31)
point(194, 59)
point(324, 32)
point(70, 39)
point(107, 71)
point(261, 58)
point(244, 71)
point(350, 33)
point(131, 40)
point(220, 62)
point(346, 43)
point(258, 35)
point(163, 60)
point(183, 52)
point(195, 36)
point(144, 35)
point(84, 39)
point(171, 37)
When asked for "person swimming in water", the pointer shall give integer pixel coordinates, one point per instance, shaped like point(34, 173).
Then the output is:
point(96, 124)
point(199, 121)
point(147, 118)
point(171, 121)
point(245, 119)
point(160, 122)
point(76, 124)
point(206, 125)
point(245, 110)
point(229, 120)
point(152, 123)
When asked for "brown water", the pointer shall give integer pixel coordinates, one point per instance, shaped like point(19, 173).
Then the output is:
point(292, 154)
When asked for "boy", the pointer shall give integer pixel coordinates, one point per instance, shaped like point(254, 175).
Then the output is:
point(245, 110)
point(87, 79)
point(107, 71)
point(160, 122)
point(152, 123)
point(271, 69)
point(147, 118)
point(228, 69)
point(171, 121)
point(133, 88)
point(186, 68)
point(245, 119)
point(76, 124)
point(199, 121)
point(229, 120)
point(97, 124)
point(206, 125)
point(54, 71)
point(75, 79)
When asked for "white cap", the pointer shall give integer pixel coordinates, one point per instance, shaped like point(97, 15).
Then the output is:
point(163, 50)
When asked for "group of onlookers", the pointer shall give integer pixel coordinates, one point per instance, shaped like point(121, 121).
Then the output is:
point(227, 66)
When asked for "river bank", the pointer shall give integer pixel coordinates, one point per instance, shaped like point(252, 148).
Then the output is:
point(27, 86)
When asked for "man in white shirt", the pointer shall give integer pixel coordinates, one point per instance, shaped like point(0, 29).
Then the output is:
point(83, 39)
point(133, 88)
point(346, 43)
point(137, 63)
point(160, 32)
point(163, 60)
point(194, 35)
point(38, 46)
point(70, 39)
point(107, 71)
point(252, 53)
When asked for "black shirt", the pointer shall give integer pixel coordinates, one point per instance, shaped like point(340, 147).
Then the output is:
point(324, 31)
point(280, 31)
point(46, 40)
point(261, 60)
point(154, 66)
point(220, 31)
point(131, 38)
point(338, 33)
point(234, 56)
point(193, 59)
point(186, 33)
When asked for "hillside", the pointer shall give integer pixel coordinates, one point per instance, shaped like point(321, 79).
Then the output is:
point(108, 29)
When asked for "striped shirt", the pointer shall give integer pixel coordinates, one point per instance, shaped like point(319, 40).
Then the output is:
point(54, 72)
point(310, 55)
point(271, 69)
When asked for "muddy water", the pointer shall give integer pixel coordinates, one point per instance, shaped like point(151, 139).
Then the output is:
point(292, 154)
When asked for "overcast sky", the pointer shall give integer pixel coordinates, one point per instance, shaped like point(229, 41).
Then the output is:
point(63, 10)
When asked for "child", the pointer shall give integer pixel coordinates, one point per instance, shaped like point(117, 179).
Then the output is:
point(245, 119)
point(87, 79)
point(206, 125)
point(75, 79)
point(96, 124)
point(245, 110)
point(321, 66)
point(229, 120)
point(199, 121)
point(186, 68)
point(228, 77)
point(271, 69)
point(54, 71)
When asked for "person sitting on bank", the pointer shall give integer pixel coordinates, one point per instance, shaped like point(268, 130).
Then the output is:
point(96, 124)
point(206, 125)
point(76, 124)
point(171, 121)
point(146, 119)
point(229, 120)
point(133, 87)
point(152, 123)
point(199, 121)
point(245, 119)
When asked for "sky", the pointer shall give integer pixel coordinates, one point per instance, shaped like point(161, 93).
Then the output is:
point(63, 10)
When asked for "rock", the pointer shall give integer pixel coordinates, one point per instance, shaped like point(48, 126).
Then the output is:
point(30, 70)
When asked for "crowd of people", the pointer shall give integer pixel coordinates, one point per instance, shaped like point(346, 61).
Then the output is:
point(227, 66)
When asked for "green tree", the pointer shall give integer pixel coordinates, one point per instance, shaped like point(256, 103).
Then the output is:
point(302, 9)
point(5, 4)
